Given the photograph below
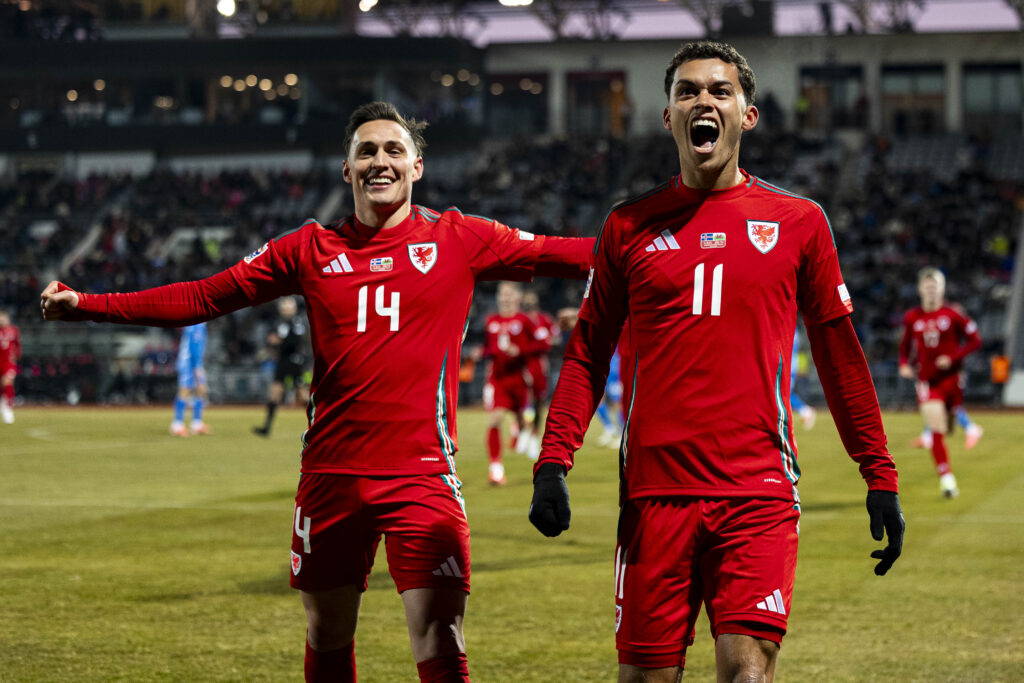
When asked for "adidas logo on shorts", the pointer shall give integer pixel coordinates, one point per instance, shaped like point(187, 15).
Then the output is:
point(773, 603)
point(448, 568)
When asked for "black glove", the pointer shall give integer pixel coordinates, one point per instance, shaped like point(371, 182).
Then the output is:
point(885, 513)
point(549, 509)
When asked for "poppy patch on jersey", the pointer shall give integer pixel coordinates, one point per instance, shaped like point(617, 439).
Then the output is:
point(712, 240)
point(384, 263)
point(250, 257)
point(764, 235)
point(844, 293)
point(844, 296)
point(423, 256)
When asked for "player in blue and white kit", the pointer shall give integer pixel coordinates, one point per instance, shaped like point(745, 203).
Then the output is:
point(609, 411)
point(806, 412)
point(191, 381)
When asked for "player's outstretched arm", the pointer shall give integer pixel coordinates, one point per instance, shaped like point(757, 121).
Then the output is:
point(57, 300)
point(854, 405)
point(579, 390)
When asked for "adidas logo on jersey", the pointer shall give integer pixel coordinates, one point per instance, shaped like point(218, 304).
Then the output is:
point(448, 568)
point(339, 264)
point(663, 243)
point(773, 603)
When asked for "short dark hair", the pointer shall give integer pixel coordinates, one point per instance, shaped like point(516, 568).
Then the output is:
point(709, 49)
point(385, 111)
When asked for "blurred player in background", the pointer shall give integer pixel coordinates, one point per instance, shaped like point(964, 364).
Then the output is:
point(510, 338)
point(712, 268)
point(937, 336)
point(387, 293)
point(287, 343)
point(807, 414)
point(538, 369)
point(10, 355)
point(191, 381)
point(609, 410)
point(972, 430)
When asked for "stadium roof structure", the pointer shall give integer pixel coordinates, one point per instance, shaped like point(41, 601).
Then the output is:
point(486, 21)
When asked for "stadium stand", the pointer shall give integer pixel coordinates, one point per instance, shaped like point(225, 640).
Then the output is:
point(891, 216)
point(208, 191)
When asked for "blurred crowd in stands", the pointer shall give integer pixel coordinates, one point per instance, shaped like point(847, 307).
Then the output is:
point(117, 232)
point(53, 20)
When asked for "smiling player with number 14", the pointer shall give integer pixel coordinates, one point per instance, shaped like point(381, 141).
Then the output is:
point(387, 292)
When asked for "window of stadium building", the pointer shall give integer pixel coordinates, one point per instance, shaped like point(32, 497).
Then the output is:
point(914, 99)
point(992, 97)
point(835, 96)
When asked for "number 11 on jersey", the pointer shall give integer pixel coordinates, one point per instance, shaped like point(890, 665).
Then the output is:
point(716, 290)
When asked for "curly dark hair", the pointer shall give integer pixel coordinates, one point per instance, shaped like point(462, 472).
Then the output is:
point(708, 49)
point(385, 111)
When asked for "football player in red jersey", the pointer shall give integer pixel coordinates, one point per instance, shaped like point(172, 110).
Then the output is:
point(538, 370)
point(937, 336)
point(709, 271)
point(509, 341)
point(10, 355)
point(387, 293)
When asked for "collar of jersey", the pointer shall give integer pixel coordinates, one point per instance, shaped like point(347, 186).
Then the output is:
point(733, 192)
point(352, 227)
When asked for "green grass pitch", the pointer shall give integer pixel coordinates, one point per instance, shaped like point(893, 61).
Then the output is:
point(129, 555)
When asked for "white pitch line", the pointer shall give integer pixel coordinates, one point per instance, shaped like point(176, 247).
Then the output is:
point(41, 434)
point(144, 505)
point(79, 447)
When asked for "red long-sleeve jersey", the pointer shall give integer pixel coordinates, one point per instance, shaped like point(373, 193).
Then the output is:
point(947, 331)
point(509, 341)
point(386, 310)
point(710, 283)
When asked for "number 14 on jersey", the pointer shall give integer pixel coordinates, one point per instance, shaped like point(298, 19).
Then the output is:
point(383, 311)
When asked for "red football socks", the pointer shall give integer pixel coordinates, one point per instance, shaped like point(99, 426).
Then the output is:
point(8, 394)
point(939, 454)
point(445, 669)
point(494, 444)
point(336, 666)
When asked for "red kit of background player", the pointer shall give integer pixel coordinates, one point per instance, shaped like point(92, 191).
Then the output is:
point(10, 354)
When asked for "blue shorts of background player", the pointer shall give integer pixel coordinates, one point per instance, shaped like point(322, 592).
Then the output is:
point(806, 412)
point(191, 381)
point(609, 411)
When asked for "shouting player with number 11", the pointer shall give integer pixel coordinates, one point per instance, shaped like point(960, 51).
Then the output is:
point(387, 294)
point(709, 271)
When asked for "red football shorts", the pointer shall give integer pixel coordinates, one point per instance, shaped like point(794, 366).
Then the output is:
point(340, 518)
point(949, 390)
point(537, 367)
point(8, 370)
point(736, 556)
point(509, 392)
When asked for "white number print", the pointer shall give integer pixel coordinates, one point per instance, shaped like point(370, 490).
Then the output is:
point(716, 290)
point(383, 311)
point(303, 531)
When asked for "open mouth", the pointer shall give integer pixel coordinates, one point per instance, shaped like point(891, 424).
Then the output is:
point(704, 135)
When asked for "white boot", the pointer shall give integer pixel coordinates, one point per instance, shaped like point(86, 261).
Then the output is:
point(947, 485)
